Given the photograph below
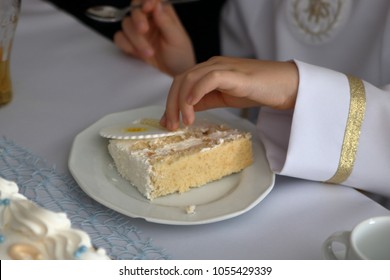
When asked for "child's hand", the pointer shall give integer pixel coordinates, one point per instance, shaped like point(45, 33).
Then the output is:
point(230, 82)
point(155, 34)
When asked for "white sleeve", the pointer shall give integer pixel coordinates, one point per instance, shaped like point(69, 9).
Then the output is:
point(233, 35)
point(308, 141)
point(239, 21)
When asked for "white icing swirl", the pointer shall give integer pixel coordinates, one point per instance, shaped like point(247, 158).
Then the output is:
point(28, 231)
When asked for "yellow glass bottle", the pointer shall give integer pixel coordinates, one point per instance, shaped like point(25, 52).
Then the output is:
point(9, 13)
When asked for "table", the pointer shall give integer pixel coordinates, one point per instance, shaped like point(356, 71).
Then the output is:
point(66, 77)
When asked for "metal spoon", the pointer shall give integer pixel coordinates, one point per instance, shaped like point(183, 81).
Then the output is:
point(114, 14)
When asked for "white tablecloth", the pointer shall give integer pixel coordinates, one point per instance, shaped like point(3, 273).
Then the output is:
point(66, 77)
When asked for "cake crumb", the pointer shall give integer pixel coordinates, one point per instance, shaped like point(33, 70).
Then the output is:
point(190, 209)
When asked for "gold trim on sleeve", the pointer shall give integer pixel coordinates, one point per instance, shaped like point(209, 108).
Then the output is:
point(357, 108)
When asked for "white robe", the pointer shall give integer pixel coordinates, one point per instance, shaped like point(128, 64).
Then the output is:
point(307, 141)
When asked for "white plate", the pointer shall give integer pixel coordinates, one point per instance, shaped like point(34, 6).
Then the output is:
point(92, 168)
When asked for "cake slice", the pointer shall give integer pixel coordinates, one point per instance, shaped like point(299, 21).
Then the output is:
point(174, 164)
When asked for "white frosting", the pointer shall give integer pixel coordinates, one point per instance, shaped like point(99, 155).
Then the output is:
point(172, 147)
point(134, 167)
point(28, 231)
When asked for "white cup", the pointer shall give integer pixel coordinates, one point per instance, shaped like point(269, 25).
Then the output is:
point(369, 240)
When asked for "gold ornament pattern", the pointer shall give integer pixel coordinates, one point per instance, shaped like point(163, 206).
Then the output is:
point(318, 20)
point(357, 109)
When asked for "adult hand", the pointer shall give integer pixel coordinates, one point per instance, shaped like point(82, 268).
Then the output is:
point(230, 82)
point(155, 35)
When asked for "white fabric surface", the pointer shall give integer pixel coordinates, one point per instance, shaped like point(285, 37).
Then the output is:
point(66, 77)
point(310, 138)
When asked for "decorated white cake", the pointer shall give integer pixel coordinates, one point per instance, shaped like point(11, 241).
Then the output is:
point(176, 163)
point(28, 231)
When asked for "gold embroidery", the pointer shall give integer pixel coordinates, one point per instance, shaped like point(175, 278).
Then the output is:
point(318, 20)
point(356, 113)
point(317, 9)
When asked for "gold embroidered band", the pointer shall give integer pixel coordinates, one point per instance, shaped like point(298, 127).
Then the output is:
point(357, 108)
